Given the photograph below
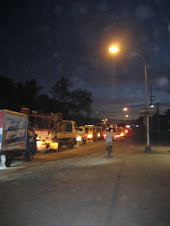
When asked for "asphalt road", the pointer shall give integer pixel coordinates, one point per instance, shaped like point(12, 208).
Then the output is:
point(81, 187)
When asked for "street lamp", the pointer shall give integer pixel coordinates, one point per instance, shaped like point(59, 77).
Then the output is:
point(125, 109)
point(114, 49)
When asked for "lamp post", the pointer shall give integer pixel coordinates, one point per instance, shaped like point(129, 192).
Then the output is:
point(114, 49)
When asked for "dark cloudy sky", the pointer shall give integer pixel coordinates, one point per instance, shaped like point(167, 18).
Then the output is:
point(46, 40)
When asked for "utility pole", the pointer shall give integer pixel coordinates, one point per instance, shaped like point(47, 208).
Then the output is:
point(151, 104)
point(151, 97)
point(157, 119)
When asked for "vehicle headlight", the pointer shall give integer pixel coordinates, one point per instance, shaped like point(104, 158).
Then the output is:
point(39, 143)
point(78, 138)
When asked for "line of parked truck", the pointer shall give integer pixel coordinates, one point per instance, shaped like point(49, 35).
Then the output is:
point(22, 134)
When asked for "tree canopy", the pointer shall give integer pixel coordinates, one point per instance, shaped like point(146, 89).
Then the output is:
point(61, 90)
point(74, 104)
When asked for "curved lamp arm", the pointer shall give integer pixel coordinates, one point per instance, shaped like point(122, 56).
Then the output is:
point(146, 78)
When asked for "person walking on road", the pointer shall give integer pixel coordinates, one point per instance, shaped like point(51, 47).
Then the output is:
point(109, 140)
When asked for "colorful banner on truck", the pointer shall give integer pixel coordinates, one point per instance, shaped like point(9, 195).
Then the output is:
point(14, 132)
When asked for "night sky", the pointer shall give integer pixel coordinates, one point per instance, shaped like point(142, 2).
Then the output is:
point(46, 40)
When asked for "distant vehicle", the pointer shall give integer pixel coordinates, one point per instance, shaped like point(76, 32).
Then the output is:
point(103, 133)
point(81, 135)
point(53, 132)
point(125, 132)
point(16, 138)
point(121, 133)
point(93, 132)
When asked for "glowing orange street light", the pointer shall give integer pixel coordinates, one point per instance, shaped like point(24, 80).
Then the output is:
point(115, 49)
point(125, 109)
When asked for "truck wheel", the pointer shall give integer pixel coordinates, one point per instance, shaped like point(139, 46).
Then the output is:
point(59, 146)
point(29, 156)
point(70, 145)
point(8, 162)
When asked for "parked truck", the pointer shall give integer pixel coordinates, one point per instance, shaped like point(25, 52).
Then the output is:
point(52, 131)
point(16, 138)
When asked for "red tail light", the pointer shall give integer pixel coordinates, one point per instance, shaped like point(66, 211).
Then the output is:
point(90, 136)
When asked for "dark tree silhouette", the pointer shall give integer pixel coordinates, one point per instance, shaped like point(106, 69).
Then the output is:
point(61, 90)
point(45, 104)
point(73, 104)
point(81, 101)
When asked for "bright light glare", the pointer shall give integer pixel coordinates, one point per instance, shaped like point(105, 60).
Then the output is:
point(125, 109)
point(39, 143)
point(78, 138)
point(128, 126)
point(89, 136)
point(113, 49)
point(54, 145)
point(127, 116)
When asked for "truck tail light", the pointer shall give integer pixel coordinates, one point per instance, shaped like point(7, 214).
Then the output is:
point(90, 136)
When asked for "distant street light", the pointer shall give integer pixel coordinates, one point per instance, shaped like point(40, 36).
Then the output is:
point(114, 49)
point(104, 121)
point(126, 116)
point(125, 109)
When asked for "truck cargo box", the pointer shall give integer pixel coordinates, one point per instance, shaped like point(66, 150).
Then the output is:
point(16, 138)
point(13, 130)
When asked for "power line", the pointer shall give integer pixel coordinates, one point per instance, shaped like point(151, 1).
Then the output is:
point(164, 98)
